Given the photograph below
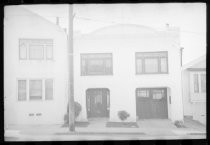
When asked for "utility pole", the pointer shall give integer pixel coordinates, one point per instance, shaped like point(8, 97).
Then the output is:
point(71, 72)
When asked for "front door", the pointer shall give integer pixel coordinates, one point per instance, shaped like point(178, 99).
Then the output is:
point(151, 103)
point(97, 102)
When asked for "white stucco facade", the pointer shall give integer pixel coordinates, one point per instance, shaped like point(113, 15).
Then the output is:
point(123, 41)
point(19, 23)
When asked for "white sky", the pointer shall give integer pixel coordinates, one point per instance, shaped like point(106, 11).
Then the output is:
point(190, 17)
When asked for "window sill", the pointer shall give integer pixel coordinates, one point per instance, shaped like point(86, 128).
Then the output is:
point(97, 75)
point(152, 73)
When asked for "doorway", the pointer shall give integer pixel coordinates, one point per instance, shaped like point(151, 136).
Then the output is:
point(151, 103)
point(97, 102)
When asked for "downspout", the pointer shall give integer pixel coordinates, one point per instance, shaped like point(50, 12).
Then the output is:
point(181, 51)
point(181, 54)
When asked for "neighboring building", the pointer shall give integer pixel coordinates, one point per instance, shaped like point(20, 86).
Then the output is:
point(128, 67)
point(35, 69)
point(194, 89)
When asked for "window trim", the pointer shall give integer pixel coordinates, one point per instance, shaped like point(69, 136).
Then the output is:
point(199, 82)
point(44, 57)
point(86, 74)
point(26, 51)
point(143, 63)
point(17, 89)
point(27, 89)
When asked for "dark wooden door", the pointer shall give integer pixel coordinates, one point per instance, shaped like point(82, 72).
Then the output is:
point(151, 103)
point(97, 102)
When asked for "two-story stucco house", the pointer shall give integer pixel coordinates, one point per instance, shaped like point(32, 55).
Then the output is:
point(120, 67)
point(194, 89)
point(128, 67)
point(35, 69)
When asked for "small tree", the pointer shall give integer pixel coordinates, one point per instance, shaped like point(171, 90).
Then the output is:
point(123, 115)
point(77, 109)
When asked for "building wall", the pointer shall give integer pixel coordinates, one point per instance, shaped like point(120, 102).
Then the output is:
point(20, 23)
point(194, 104)
point(124, 81)
point(187, 104)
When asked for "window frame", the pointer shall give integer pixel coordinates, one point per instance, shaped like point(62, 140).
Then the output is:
point(20, 51)
point(86, 73)
point(199, 82)
point(41, 58)
point(28, 89)
point(41, 41)
point(22, 79)
point(53, 87)
point(143, 62)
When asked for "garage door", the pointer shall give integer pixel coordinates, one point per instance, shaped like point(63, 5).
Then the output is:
point(151, 103)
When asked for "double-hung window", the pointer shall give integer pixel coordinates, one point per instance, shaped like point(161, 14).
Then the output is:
point(199, 83)
point(35, 89)
point(152, 62)
point(96, 64)
point(35, 49)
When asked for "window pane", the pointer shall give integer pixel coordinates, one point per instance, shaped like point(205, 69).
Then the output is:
point(91, 65)
point(49, 89)
point(203, 83)
point(35, 88)
point(196, 85)
point(95, 66)
point(49, 52)
point(142, 93)
point(23, 51)
point(21, 90)
point(163, 64)
point(36, 52)
point(157, 94)
point(139, 65)
point(151, 65)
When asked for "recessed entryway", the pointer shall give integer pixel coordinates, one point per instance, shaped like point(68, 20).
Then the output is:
point(97, 102)
point(151, 103)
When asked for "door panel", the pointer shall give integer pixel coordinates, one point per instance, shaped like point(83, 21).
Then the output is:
point(97, 99)
point(153, 104)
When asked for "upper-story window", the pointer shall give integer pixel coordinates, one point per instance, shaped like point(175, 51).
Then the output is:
point(35, 49)
point(152, 62)
point(96, 64)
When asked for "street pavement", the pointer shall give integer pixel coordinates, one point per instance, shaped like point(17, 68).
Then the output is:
point(153, 129)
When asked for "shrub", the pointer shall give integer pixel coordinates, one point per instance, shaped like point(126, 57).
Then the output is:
point(123, 115)
point(77, 110)
point(179, 124)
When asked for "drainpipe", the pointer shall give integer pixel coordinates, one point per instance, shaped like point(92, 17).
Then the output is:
point(71, 72)
point(181, 51)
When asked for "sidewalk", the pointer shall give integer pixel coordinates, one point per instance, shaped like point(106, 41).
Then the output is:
point(148, 129)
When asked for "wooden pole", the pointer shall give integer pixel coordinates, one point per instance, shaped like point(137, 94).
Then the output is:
point(71, 72)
